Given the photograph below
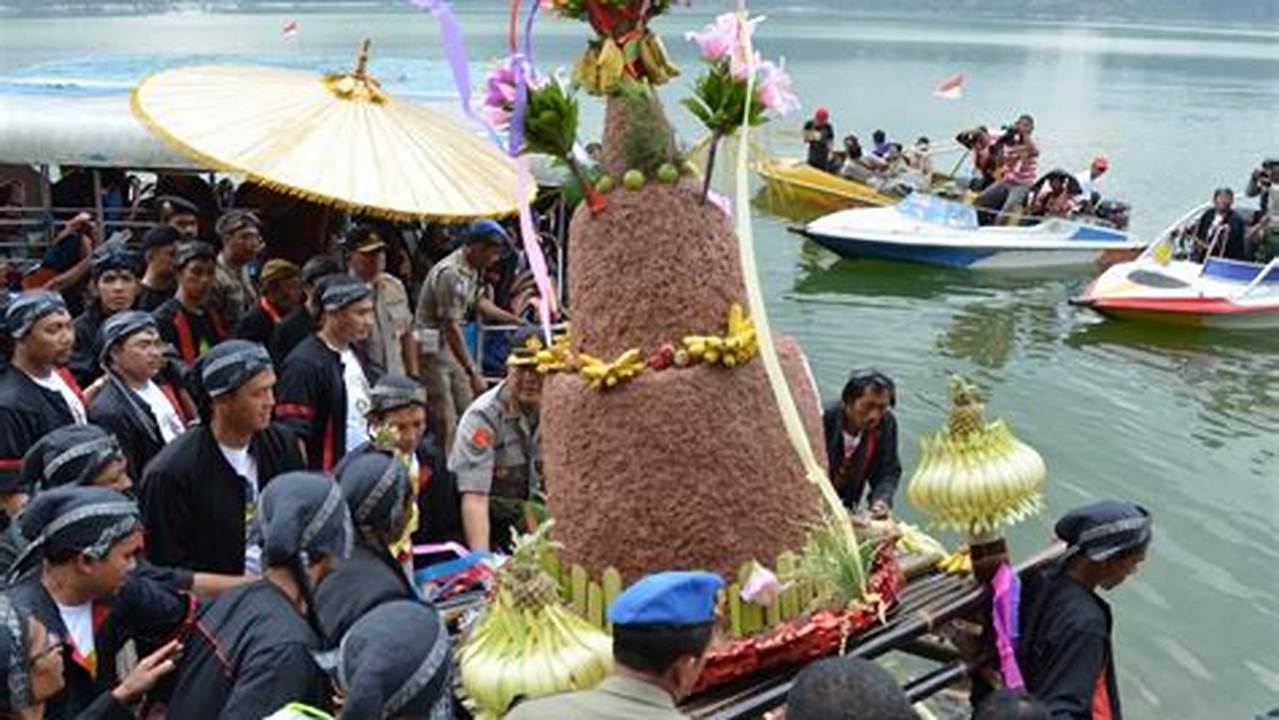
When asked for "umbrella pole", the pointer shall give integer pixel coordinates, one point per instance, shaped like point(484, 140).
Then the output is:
point(362, 59)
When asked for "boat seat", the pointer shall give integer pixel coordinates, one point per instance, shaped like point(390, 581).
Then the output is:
point(1236, 270)
point(1150, 278)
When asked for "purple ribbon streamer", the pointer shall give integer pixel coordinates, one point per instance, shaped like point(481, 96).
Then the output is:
point(1005, 611)
point(455, 52)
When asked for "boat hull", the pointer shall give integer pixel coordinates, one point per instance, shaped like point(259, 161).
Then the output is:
point(1221, 295)
point(977, 258)
point(796, 187)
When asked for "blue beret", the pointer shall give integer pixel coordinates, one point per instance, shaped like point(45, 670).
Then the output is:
point(486, 231)
point(669, 598)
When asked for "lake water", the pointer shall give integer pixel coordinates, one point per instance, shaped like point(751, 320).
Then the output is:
point(1184, 422)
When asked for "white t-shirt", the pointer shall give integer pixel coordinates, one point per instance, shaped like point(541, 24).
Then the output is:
point(55, 383)
point(851, 443)
point(357, 400)
point(165, 414)
point(79, 622)
point(247, 468)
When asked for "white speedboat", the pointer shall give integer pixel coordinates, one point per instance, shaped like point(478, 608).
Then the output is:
point(936, 231)
point(1160, 287)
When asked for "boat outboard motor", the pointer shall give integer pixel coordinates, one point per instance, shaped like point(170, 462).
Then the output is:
point(1114, 212)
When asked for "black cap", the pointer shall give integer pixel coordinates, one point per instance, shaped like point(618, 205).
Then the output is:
point(166, 206)
point(160, 236)
point(193, 250)
point(363, 238)
point(319, 266)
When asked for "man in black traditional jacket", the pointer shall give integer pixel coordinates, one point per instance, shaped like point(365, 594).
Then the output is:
point(114, 271)
point(37, 393)
point(253, 649)
point(78, 578)
point(861, 442)
point(200, 494)
point(324, 385)
point(1065, 650)
point(376, 487)
point(133, 401)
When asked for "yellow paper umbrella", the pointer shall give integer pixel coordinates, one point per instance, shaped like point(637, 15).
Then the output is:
point(334, 139)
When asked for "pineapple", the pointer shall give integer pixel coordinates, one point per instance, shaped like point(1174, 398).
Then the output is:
point(967, 413)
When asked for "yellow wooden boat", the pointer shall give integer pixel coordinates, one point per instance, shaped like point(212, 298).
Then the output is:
point(796, 188)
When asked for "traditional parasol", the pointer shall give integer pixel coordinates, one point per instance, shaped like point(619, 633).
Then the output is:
point(335, 139)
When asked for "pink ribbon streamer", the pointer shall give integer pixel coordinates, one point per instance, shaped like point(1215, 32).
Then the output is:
point(1005, 609)
point(455, 53)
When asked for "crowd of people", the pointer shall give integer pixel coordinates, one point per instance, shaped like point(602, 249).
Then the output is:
point(213, 476)
point(1006, 171)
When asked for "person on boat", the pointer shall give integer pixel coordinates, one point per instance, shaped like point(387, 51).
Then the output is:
point(280, 291)
point(861, 442)
point(32, 664)
point(1065, 650)
point(880, 147)
point(379, 491)
point(1054, 199)
point(1089, 180)
point(662, 627)
point(450, 293)
point(1264, 232)
point(1019, 158)
point(79, 578)
point(180, 214)
point(1219, 232)
point(200, 494)
point(324, 384)
point(114, 289)
point(300, 322)
point(159, 280)
point(391, 347)
point(979, 142)
point(854, 165)
point(185, 320)
point(919, 158)
point(234, 294)
point(820, 137)
point(496, 456)
point(38, 394)
point(134, 402)
point(843, 688)
point(253, 649)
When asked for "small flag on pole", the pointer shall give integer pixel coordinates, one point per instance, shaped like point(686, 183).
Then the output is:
point(289, 29)
point(952, 88)
point(1163, 251)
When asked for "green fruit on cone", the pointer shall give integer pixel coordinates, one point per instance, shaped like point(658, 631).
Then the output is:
point(633, 179)
point(668, 173)
point(605, 185)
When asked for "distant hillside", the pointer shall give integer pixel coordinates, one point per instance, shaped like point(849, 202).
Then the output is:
point(1249, 12)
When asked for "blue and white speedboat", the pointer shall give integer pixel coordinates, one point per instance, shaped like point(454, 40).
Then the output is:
point(936, 231)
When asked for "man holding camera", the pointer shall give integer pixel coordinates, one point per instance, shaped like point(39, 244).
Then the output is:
point(1018, 169)
point(1264, 233)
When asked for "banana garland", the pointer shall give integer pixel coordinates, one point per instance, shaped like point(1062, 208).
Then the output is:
point(602, 66)
point(976, 477)
point(739, 345)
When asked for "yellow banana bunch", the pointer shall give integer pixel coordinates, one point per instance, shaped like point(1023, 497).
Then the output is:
point(959, 562)
point(976, 477)
point(587, 72)
point(738, 346)
point(557, 357)
point(656, 62)
point(914, 541)
point(527, 644)
point(600, 374)
point(611, 66)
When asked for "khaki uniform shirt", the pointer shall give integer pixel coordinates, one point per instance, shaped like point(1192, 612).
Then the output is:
point(233, 293)
point(617, 698)
point(392, 319)
point(448, 294)
point(496, 448)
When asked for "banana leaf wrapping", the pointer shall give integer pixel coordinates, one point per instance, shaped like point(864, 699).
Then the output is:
point(808, 638)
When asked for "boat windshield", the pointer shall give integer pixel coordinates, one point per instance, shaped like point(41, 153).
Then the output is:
point(936, 210)
point(1238, 271)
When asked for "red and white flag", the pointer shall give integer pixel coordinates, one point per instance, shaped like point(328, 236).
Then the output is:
point(289, 29)
point(952, 88)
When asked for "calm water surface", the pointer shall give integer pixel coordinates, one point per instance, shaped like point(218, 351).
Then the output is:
point(1183, 422)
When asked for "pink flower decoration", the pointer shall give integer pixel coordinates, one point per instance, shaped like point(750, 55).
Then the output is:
point(775, 91)
point(500, 89)
point(724, 38)
point(762, 587)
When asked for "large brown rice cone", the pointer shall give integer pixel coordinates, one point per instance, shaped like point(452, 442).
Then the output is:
point(680, 469)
